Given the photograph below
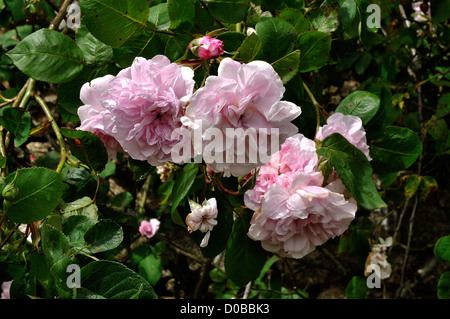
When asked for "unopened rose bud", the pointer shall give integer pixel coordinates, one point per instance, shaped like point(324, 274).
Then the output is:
point(206, 47)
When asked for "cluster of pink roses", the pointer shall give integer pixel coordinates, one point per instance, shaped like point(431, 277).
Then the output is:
point(295, 208)
point(150, 108)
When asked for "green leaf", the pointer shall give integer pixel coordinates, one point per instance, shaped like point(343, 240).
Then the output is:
point(440, 10)
point(95, 52)
point(442, 248)
point(82, 206)
point(159, 16)
point(140, 169)
point(228, 11)
point(144, 44)
point(112, 280)
point(75, 227)
point(54, 244)
point(103, 236)
point(412, 184)
point(87, 147)
point(296, 18)
point(177, 47)
point(122, 200)
point(48, 56)
point(244, 257)
point(324, 19)
point(114, 21)
point(231, 41)
point(150, 268)
point(181, 12)
point(278, 37)
point(249, 48)
point(443, 286)
point(315, 47)
point(57, 251)
point(354, 169)
point(349, 18)
point(360, 103)
point(183, 184)
point(399, 149)
point(17, 123)
point(40, 190)
point(356, 288)
point(287, 67)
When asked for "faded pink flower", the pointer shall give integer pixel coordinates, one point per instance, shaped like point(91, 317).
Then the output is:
point(145, 103)
point(92, 112)
point(207, 48)
point(419, 15)
point(350, 127)
point(377, 259)
point(297, 154)
point(203, 218)
point(149, 228)
point(238, 110)
point(292, 222)
point(6, 286)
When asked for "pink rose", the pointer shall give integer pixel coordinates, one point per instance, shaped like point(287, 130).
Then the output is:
point(292, 222)
point(149, 228)
point(348, 126)
point(297, 154)
point(92, 112)
point(145, 103)
point(238, 114)
point(209, 48)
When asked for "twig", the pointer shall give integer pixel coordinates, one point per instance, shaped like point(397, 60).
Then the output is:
point(55, 128)
point(248, 287)
point(202, 280)
point(60, 15)
point(405, 259)
point(316, 104)
point(28, 93)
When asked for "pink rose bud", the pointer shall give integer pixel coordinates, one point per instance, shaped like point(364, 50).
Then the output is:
point(149, 228)
point(206, 47)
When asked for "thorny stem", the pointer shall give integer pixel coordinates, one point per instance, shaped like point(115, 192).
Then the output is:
point(58, 134)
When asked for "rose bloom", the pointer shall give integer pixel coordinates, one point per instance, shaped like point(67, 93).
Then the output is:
point(350, 127)
point(241, 99)
point(92, 112)
point(292, 222)
point(297, 154)
point(208, 48)
point(149, 228)
point(145, 103)
point(203, 218)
